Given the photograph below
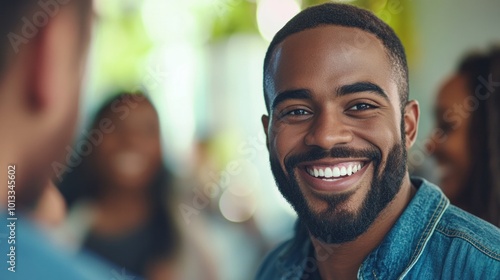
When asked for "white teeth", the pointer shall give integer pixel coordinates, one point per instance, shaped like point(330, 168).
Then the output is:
point(328, 172)
point(343, 171)
point(335, 172)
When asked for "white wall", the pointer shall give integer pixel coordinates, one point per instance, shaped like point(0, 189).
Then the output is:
point(446, 30)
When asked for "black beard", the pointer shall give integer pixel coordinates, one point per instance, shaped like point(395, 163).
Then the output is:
point(334, 226)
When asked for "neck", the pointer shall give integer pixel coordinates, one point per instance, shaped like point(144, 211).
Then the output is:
point(119, 211)
point(342, 261)
point(121, 203)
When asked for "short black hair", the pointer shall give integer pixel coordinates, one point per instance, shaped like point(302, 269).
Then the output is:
point(347, 16)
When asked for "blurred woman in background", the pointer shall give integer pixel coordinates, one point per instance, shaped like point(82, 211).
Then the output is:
point(467, 115)
point(121, 193)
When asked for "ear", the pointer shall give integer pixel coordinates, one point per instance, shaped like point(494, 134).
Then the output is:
point(411, 115)
point(57, 72)
point(265, 125)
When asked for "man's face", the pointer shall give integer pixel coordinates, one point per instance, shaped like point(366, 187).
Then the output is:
point(335, 129)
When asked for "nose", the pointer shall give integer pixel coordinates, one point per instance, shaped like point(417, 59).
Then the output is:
point(328, 130)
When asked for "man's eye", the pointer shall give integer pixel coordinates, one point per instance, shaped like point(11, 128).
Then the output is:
point(298, 112)
point(362, 107)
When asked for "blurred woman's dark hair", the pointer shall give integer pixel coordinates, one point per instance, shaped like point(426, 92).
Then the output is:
point(483, 188)
point(82, 183)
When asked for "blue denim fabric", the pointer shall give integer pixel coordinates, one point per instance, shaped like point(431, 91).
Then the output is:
point(38, 258)
point(431, 240)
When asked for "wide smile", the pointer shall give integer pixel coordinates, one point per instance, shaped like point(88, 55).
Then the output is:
point(335, 176)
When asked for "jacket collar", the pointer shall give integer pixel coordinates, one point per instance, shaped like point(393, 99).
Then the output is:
point(398, 252)
point(405, 242)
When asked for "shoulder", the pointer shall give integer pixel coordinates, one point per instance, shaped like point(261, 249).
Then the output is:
point(270, 265)
point(464, 229)
point(457, 228)
point(37, 257)
point(462, 246)
point(284, 262)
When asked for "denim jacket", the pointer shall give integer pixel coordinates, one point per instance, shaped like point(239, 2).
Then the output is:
point(431, 240)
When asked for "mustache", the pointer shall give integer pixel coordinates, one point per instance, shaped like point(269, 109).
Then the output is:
point(316, 153)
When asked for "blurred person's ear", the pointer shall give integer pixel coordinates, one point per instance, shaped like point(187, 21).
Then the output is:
point(39, 97)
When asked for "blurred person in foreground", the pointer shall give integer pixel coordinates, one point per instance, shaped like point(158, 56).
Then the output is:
point(467, 142)
point(121, 194)
point(339, 127)
point(42, 58)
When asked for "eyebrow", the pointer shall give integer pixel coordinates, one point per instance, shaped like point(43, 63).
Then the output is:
point(290, 94)
point(361, 87)
point(342, 91)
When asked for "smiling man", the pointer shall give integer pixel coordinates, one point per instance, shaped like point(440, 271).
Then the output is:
point(338, 130)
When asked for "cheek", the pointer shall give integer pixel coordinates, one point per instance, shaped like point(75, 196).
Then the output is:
point(103, 153)
point(380, 132)
point(284, 139)
point(458, 149)
point(153, 151)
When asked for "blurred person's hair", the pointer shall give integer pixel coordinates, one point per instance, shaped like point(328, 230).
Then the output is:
point(12, 13)
point(483, 188)
point(346, 16)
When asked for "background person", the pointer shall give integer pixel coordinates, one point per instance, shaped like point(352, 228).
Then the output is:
point(126, 192)
point(467, 112)
point(41, 65)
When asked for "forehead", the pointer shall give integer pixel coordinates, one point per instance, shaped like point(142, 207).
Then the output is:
point(131, 110)
point(329, 55)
